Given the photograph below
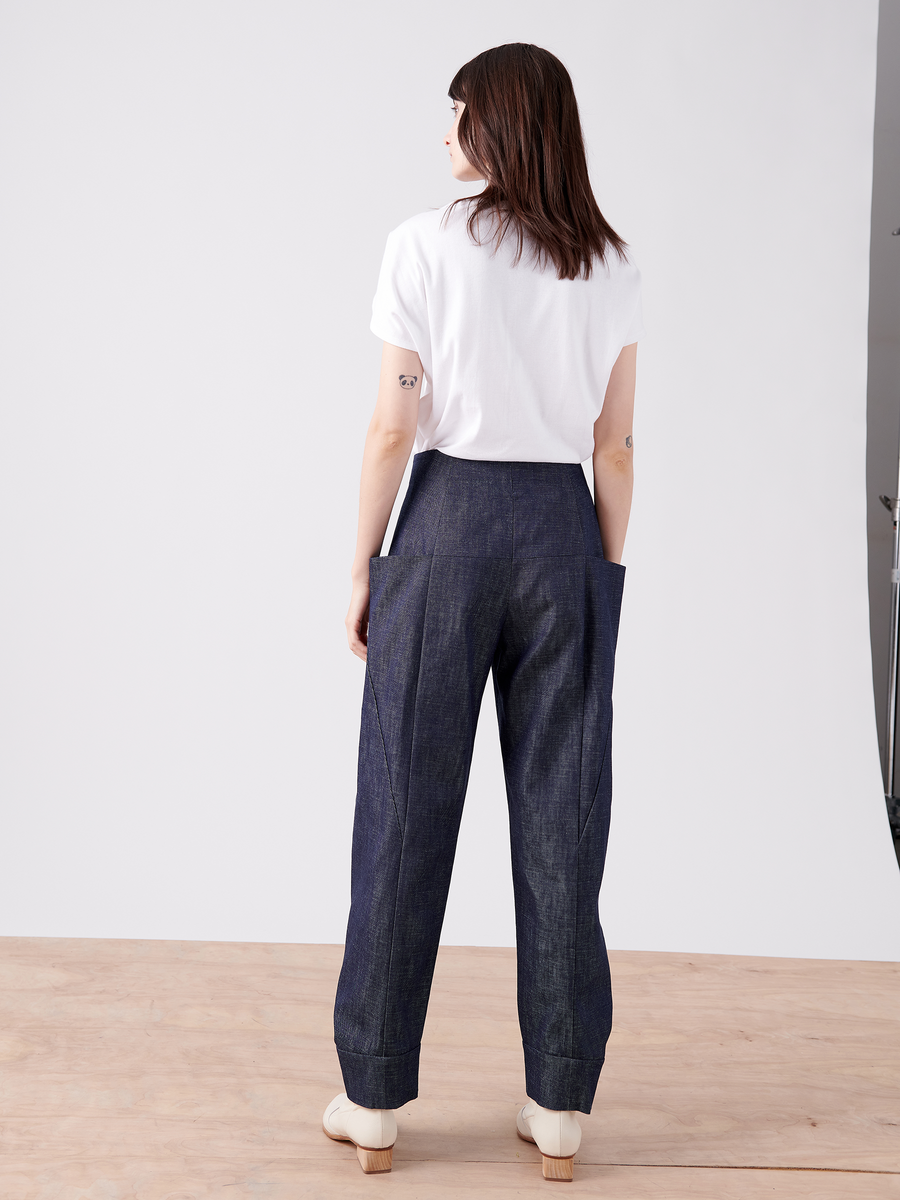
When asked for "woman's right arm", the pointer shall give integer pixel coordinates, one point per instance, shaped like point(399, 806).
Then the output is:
point(389, 441)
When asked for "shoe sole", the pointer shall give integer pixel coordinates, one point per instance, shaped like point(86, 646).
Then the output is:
point(557, 1170)
point(372, 1161)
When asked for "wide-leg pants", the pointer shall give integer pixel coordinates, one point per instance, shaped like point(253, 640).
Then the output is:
point(494, 565)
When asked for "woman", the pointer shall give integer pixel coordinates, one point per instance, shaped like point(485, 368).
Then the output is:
point(509, 323)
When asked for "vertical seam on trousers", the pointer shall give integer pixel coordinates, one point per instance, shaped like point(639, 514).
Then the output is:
point(571, 486)
point(412, 747)
point(599, 781)
point(387, 768)
point(502, 624)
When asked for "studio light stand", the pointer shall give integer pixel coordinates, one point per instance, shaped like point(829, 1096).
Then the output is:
point(892, 504)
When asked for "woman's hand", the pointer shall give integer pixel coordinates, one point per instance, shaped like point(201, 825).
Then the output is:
point(357, 619)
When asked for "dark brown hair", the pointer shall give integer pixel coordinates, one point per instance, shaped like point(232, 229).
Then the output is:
point(521, 128)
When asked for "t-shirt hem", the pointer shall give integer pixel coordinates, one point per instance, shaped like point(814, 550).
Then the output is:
point(472, 457)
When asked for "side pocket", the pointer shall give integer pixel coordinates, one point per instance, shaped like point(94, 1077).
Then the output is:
point(614, 577)
point(397, 607)
point(398, 586)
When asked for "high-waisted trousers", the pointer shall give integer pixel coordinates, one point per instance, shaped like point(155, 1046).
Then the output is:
point(493, 566)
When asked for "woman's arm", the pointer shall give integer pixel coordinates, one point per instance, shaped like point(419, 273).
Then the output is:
point(392, 432)
point(613, 454)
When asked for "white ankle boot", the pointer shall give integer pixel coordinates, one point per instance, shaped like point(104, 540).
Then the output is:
point(372, 1130)
point(556, 1134)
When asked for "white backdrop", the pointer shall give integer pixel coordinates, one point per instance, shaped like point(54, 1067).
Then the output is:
point(195, 199)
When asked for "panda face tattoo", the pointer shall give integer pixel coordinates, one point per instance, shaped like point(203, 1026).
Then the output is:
point(408, 381)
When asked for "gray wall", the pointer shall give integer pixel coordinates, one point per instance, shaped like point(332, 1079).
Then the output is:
point(195, 200)
point(884, 348)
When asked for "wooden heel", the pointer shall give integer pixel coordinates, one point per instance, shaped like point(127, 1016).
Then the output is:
point(376, 1162)
point(558, 1169)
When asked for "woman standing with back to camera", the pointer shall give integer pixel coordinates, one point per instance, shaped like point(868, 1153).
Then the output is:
point(509, 323)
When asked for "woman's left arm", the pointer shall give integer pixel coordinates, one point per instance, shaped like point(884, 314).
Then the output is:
point(614, 455)
point(389, 441)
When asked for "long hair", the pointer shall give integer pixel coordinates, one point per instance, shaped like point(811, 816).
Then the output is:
point(520, 127)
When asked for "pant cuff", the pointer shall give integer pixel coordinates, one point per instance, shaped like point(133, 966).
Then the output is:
point(377, 1082)
point(561, 1083)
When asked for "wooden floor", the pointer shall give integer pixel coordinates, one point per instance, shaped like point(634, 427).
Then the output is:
point(186, 1070)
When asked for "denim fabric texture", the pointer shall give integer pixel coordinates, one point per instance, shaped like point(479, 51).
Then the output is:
point(494, 566)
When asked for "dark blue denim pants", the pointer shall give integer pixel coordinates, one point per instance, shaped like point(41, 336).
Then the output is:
point(493, 565)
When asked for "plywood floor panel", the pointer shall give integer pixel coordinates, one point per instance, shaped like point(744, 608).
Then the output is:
point(181, 1070)
point(217, 1179)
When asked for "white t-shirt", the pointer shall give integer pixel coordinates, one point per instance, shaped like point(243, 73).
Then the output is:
point(515, 360)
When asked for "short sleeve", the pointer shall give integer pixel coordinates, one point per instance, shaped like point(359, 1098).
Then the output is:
point(635, 329)
point(399, 313)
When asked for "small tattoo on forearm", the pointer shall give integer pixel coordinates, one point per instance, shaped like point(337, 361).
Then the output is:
point(628, 441)
point(409, 381)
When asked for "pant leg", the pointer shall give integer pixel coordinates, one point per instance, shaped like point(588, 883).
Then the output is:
point(433, 627)
point(553, 674)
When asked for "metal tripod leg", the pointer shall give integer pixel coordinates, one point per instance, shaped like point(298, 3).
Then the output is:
point(892, 801)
